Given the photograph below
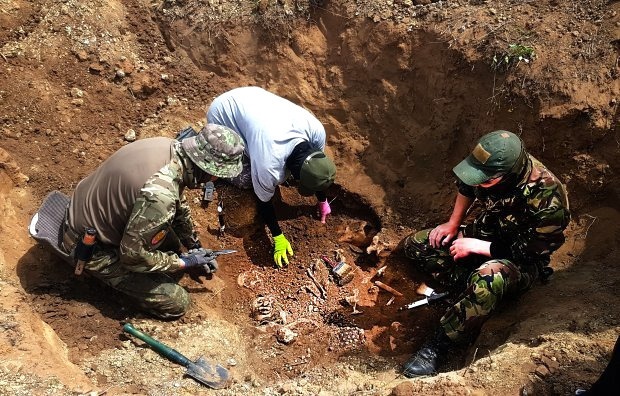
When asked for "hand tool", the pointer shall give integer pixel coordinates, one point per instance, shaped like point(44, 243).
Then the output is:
point(200, 370)
point(342, 272)
point(220, 216)
point(209, 191)
point(424, 301)
point(84, 249)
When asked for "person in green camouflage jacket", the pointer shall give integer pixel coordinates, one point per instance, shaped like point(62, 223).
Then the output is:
point(135, 202)
point(524, 211)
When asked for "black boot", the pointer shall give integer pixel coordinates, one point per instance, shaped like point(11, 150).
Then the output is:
point(426, 360)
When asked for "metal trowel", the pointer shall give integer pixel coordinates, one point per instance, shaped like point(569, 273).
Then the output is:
point(215, 377)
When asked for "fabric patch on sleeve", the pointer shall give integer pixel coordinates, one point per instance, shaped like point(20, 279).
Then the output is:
point(157, 238)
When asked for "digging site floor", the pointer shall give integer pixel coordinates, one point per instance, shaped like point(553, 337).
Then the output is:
point(404, 89)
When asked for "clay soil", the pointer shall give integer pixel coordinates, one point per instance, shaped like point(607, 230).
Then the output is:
point(404, 88)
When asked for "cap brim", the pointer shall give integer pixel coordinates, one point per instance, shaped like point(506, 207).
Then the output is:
point(469, 173)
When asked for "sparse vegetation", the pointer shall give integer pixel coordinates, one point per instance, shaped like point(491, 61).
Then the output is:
point(515, 54)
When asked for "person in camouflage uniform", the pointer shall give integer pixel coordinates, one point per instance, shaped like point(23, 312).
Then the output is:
point(524, 211)
point(135, 202)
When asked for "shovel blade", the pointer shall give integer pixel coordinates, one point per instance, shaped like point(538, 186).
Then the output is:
point(215, 377)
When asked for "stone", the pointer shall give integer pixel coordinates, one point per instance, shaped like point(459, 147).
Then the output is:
point(130, 136)
point(551, 364)
point(81, 56)
point(542, 371)
point(405, 388)
point(76, 93)
point(95, 68)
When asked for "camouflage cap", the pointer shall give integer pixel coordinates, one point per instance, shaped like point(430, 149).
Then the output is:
point(317, 173)
point(217, 150)
point(495, 154)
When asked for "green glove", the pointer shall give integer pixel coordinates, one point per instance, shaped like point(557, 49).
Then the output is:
point(281, 246)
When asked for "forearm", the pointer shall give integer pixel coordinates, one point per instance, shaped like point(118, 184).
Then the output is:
point(267, 213)
point(461, 205)
point(141, 260)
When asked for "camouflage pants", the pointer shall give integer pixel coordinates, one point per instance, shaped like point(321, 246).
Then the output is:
point(483, 282)
point(156, 293)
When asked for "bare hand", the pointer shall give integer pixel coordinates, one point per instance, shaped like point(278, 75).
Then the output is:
point(442, 235)
point(463, 247)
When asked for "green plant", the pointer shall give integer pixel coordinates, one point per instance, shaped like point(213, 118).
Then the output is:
point(515, 54)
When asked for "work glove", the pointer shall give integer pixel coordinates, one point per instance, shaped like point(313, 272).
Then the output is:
point(281, 247)
point(323, 209)
point(202, 258)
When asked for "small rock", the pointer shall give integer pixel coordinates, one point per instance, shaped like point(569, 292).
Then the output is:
point(285, 335)
point(95, 68)
point(76, 93)
point(286, 388)
point(575, 33)
point(81, 55)
point(130, 136)
point(403, 389)
point(551, 364)
point(126, 66)
point(120, 73)
point(77, 102)
point(232, 362)
point(542, 371)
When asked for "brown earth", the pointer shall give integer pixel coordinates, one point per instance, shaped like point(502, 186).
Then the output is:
point(404, 88)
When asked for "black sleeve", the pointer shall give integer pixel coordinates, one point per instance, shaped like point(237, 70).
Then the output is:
point(268, 213)
point(500, 251)
point(464, 189)
point(320, 196)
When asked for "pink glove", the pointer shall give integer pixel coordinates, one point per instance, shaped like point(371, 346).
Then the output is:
point(324, 209)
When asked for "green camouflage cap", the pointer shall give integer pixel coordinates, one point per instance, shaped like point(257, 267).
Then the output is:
point(216, 150)
point(494, 155)
point(317, 173)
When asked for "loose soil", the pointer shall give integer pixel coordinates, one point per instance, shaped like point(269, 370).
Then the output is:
point(404, 89)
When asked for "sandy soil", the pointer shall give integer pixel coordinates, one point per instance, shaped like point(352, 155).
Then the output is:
point(404, 88)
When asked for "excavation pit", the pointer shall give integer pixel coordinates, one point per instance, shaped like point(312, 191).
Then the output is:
point(403, 98)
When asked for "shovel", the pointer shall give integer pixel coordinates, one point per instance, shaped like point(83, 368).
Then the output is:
point(200, 370)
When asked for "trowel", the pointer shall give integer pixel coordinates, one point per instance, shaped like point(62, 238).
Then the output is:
point(200, 370)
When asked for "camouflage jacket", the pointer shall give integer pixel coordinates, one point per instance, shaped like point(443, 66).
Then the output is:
point(529, 220)
point(159, 210)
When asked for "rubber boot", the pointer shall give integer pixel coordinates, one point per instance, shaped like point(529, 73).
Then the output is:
point(425, 361)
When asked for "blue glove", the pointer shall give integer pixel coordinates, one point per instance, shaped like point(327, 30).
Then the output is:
point(197, 258)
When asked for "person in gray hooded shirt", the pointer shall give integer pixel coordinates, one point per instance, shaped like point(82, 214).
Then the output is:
point(282, 139)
